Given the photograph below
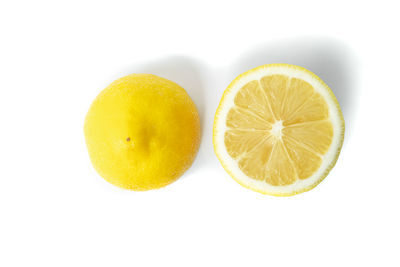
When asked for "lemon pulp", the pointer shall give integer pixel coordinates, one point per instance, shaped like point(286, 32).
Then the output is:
point(276, 126)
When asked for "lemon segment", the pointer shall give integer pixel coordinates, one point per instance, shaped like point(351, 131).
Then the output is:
point(278, 129)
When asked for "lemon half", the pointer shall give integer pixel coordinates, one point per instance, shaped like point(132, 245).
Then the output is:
point(142, 132)
point(278, 129)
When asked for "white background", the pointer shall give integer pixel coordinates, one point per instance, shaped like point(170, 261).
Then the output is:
point(56, 56)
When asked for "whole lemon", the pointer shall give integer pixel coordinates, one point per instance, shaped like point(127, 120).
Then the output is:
point(142, 132)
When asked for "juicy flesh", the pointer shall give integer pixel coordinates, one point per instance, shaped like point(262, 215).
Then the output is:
point(278, 130)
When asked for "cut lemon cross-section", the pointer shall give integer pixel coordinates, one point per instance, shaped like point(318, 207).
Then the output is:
point(278, 130)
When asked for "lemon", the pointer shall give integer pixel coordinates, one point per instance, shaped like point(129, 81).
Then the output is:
point(142, 132)
point(278, 130)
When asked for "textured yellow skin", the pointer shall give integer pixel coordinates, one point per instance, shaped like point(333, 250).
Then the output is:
point(327, 170)
point(142, 132)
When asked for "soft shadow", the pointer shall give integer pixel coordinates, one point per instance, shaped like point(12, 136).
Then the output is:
point(330, 59)
point(185, 72)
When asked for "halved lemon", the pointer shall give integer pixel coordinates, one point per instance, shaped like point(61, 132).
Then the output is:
point(278, 130)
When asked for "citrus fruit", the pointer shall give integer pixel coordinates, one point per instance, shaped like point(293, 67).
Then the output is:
point(142, 132)
point(278, 129)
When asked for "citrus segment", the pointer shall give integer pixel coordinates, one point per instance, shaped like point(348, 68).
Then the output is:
point(275, 87)
point(316, 135)
point(242, 142)
point(252, 98)
point(299, 92)
point(240, 118)
point(250, 162)
point(314, 108)
point(305, 161)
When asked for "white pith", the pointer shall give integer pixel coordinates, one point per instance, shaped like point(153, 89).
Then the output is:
point(276, 130)
point(231, 165)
